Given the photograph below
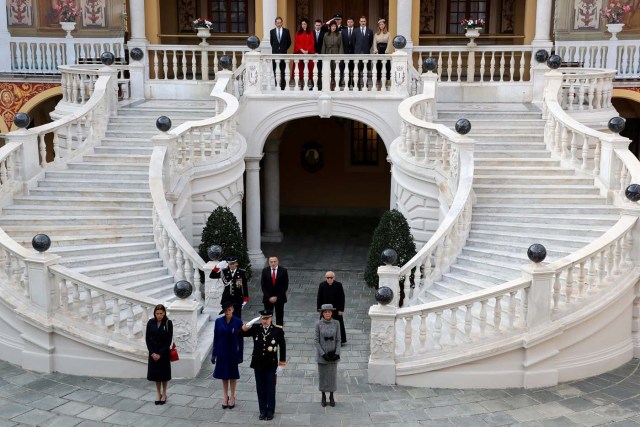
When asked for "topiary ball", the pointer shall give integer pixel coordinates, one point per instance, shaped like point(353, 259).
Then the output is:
point(22, 120)
point(225, 62)
point(537, 253)
point(616, 124)
point(183, 289)
point(430, 64)
point(384, 295)
point(632, 192)
point(136, 54)
point(389, 256)
point(399, 42)
point(163, 123)
point(554, 62)
point(542, 56)
point(253, 42)
point(107, 58)
point(41, 242)
point(214, 252)
point(463, 126)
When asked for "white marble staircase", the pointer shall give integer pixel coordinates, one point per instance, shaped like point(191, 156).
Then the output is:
point(523, 197)
point(98, 209)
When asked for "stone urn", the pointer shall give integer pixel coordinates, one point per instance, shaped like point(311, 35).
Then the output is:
point(472, 34)
point(614, 29)
point(68, 27)
point(204, 34)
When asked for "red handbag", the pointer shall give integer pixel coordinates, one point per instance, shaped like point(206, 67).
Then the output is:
point(173, 353)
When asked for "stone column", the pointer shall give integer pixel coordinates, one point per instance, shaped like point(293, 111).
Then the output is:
point(269, 13)
point(543, 24)
point(253, 211)
point(272, 231)
point(403, 22)
point(5, 38)
point(137, 27)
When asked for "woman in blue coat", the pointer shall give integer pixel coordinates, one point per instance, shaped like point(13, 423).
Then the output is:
point(227, 352)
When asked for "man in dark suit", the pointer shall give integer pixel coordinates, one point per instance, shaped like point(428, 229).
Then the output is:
point(348, 48)
point(234, 281)
point(363, 40)
point(267, 338)
point(318, 38)
point(280, 40)
point(331, 292)
point(275, 283)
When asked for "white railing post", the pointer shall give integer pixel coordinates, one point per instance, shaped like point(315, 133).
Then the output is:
point(539, 70)
point(184, 315)
point(612, 54)
point(430, 89)
point(400, 72)
point(42, 290)
point(136, 76)
point(390, 277)
point(5, 42)
point(610, 163)
point(253, 73)
point(70, 49)
point(539, 295)
point(382, 365)
point(29, 155)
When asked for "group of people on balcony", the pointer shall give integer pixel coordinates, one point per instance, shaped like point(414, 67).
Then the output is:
point(269, 346)
point(334, 39)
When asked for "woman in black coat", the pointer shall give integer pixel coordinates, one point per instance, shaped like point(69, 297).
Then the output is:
point(159, 336)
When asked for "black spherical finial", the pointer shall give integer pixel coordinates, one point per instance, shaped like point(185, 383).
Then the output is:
point(399, 42)
point(430, 64)
point(554, 62)
point(253, 42)
point(183, 289)
point(537, 253)
point(384, 295)
point(389, 256)
point(107, 58)
point(542, 56)
point(163, 123)
point(632, 192)
point(22, 120)
point(136, 54)
point(214, 252)
point(463, 126)
point(41, 242)
point(616, 124)
point(225, 62)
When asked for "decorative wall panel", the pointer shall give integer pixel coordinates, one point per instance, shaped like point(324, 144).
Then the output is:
point(506, 24)
point(20, 12)
point(587, 14)
point(187, 13)
point(13, 96)
point(427, 16)
point(94, 13)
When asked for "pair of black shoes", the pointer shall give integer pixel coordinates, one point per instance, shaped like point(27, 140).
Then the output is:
point(324, 400)
point(264, 417)
point(161, 402)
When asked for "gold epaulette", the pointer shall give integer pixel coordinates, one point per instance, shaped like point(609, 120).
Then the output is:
point(278, 326)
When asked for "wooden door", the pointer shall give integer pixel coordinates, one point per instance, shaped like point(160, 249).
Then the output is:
point(347, 8)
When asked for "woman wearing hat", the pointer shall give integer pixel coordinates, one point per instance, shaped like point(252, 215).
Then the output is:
point(227, 352)
point(327, 341)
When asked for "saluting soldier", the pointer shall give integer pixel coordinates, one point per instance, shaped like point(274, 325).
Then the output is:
point(267, 338)
point(234, 281)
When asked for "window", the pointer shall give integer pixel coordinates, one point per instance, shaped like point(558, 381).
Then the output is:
point(364, 145)
point(229, 16)
point(461, 9)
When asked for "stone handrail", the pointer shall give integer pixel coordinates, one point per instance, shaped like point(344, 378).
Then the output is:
point(78, 82)
point(180, 62)
point(380, 74)
point(478, 64)
point(192, 144)
point(619, 55)
point(586, 89)
point(426, 144)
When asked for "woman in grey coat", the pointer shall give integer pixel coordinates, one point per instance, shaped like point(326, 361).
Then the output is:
point(327, 341)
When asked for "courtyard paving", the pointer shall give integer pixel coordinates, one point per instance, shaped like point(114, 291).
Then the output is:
point(310, 248)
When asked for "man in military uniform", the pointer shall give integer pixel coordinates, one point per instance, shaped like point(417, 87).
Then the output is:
point(234, 281)
point(264, 360)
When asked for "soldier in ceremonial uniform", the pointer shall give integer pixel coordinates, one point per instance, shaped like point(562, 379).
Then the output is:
point(234, 281)
point(267, 338)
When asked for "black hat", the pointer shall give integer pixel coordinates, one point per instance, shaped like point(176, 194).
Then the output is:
point(225, 305)
point(233, 259)
point(266, 313)
point(337, 16)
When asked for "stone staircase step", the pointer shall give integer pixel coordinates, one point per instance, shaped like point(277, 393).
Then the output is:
point(93, 192)
point(108, 167)
point(534, 189)
point(492, 248)
point(69, 240)
point(524, 180)
point(495, 265)
point(76, 210)
point(599, 220)
point(552, 199)
point(80, 230)
point(551, 209)
point(116, 257)
point(513, 154)
point(94, 250)
point(480, 272)
point(123, 150)
point(512, 236)
point(94, 183)
point(119, 267)
point(79, 202)
point(508, 147)
point(515, 162)
point(482, 170)
point(115, 158)
point(80, 175)
point(593, 231)
point(149, 285)
point(121, 278)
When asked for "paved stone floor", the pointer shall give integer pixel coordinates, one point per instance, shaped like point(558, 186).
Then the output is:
point(28, 398)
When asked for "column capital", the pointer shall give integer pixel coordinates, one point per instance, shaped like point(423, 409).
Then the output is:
point(272, 145)
point(253, 163)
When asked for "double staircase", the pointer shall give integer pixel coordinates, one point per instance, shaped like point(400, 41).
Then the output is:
point(97, 210)
point(523, 196)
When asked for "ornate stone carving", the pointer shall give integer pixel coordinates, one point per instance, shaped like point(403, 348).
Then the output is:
point(182, 335)
point(382, 344)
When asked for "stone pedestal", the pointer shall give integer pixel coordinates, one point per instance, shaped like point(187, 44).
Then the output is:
point(184, 315)
point(382, 366)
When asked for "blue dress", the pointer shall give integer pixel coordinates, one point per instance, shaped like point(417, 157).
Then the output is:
point(227, 348)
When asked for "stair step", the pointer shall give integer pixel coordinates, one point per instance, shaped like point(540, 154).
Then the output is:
point(115, 158)
point(514, 162)
point(119, 267)
point(593, 231)
point(489, 247)
point(550, 209)
point(528, 199)
point(97, 183)
point(149, 285)
point(72, 251)
point(114, 257)
point(70, 229)
point(114, 193)
point(503, 169)
point(123, 150)
point(75, 220)
point(524, 180)
point(535, 189)
point(481, 153)
point(109, 167)
point(120, 278)
point(596, 220)
point(71, 240)
point(80, 175)
point(54, 200)
point(512, 236)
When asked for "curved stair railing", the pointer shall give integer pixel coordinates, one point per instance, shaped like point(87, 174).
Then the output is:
point(34, 284)
point(518, 314)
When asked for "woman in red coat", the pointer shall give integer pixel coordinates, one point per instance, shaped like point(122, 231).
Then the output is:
point(304, 44)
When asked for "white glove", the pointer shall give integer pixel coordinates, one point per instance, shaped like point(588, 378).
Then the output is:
point(243, 304)
point(252, 321)
point(222, 264)
point(278, 370)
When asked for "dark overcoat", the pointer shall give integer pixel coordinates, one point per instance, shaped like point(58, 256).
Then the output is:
point(159, 339)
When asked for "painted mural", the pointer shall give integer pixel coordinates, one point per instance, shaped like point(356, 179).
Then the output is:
point(427, 16)
point(13, 96)
point(187, 12)
point(587, 14)
point(94, 13)
point(506, 25)
point(20, 12)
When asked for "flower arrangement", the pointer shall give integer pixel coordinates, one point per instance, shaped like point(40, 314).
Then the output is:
point(472, 23)
point(67, 11)
point(614, 13)
point(202, 23)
